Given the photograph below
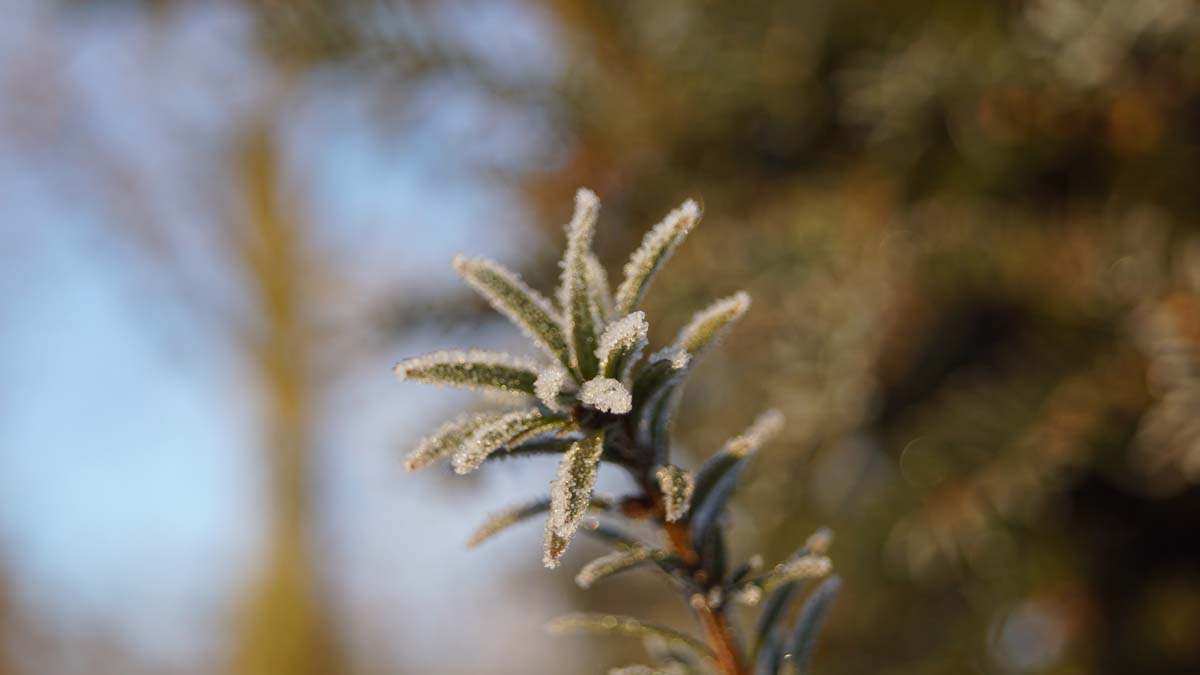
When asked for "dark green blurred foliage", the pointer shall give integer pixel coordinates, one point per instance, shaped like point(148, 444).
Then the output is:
point(970, 227)
point(970, 232)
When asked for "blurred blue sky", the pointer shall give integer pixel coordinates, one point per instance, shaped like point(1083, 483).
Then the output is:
point(130, 465)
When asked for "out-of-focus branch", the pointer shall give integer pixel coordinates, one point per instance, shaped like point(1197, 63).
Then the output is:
point(288, 627)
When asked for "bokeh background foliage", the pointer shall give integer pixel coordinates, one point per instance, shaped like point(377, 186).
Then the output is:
point(968, 227)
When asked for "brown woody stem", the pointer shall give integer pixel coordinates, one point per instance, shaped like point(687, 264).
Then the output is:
point(719, 635)
point(720, 638)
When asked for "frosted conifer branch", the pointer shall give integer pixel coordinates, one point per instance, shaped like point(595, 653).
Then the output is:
point(446, 439)
point(606, 395)
point(511, 428)
point(525, 307)
point(570, 494)
point(549, 386)
point(505, 519)
point(617, 561)
point(574, 296)
point(589, 403)
point(764, 428)
point(709, 324)
point(677, 486)
point(601, 290)
point(626, 626)
point(656, 248)
point(621, 344)
point(473, 369)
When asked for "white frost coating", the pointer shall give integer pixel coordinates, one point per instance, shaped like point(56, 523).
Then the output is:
point(804, 567)
point(473, 369)
point(625, 336)
point(808, 566)
point(606, 395)
point(677, 487)
point(708, 324)
point(505, 291)
point(550, 383)
point(445, 439)
point(748, 595)
point(623, 333)
point(679, 358)
point(656, 248)
point(492, 436)
point(762, 430)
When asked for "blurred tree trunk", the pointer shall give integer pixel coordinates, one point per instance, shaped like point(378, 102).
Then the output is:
point(289, 629)
point(7, 626)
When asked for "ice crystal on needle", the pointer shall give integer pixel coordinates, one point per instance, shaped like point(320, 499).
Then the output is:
point(709, 324)
point(804, 567)
point(658, 245)
point(574, 296)
point(571, 494)
point(509, 428)
point(615, 562)
point(677, 487)
point(621, 344)
point(606, 395)
point(445, 440)
point(549, 386)
point(749, 595)
point(525, 307)
point(473, 369)
point(678, 358)
point(762, 430)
